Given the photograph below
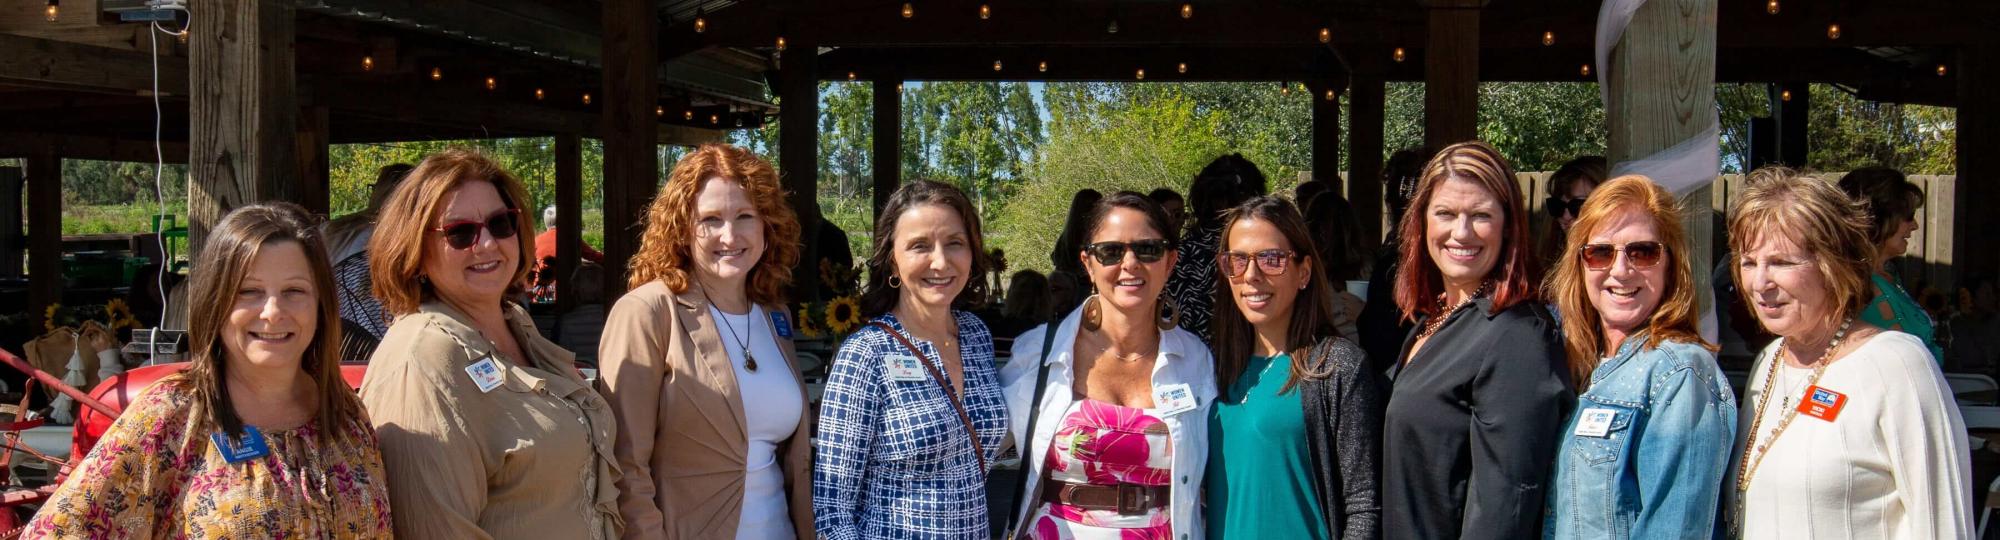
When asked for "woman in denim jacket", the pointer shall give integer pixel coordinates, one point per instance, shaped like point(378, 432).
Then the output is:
point(1644, 453)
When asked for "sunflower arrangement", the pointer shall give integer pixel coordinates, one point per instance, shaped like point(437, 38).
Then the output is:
point(119, 315)
point(839, 316)
point(843, 314)
point(114, 315)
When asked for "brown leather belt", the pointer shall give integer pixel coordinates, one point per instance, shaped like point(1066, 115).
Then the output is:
point(1126, 499)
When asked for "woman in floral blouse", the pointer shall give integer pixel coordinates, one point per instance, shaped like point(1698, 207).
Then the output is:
point(260, 437)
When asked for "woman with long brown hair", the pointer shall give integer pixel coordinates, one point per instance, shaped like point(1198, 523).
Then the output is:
point(260, 437)
point(1295, 438)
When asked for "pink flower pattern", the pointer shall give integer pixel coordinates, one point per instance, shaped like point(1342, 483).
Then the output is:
point(1105, 444)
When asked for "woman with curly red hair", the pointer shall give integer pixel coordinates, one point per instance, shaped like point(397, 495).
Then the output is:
point(704, 332)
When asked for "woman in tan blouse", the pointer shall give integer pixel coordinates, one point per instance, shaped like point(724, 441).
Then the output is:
point(487, 429)
point(703, 333)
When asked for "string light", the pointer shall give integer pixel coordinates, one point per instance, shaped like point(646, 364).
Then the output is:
point(1325, 35)
point(1397, 55)
point(1329, 94)
point(437, 74)
point(1187, 11)
point(367, 63)
point(1548, 38)
point(1284, 89)
point(1771, 7)
point(1111, 28)
point(492, 84)
point(1940, 70)
point(700, 24)
point(714, 119)
point(1183, 68)
point(1042, 67)
point(688, 115)
point(781, 43)
point(1785, 95)
point(996, 65)
point(183, 36)
point(659, 111)
point(850, 76)
point(1586, 70)
point(540, 95)
point(899, 88)
point(909, 10)
point(1833, 31)
point(586, 98)
point(985, 12)
point(53, 10)
point(1142, 74)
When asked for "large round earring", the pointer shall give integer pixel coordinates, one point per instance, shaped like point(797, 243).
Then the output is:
point(1170, 314)
point(895, 282)
point(1093, 314)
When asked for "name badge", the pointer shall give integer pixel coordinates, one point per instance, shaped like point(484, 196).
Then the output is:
point(237, 450)
point(1173, 399)
point(1822, 403)
point(781, 323)
point(486, 373)
point(1595, 422)
point(903, 367)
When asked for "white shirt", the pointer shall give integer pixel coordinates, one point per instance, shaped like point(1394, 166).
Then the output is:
point(1183, 359)
point(1892, 464)
point(771, 411)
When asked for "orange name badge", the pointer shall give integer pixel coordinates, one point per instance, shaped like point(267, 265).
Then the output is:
point(1822, 403)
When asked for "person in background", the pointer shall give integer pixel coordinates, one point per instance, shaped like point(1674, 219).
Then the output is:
point(347, 247)
point(1295, 438)
point(1224, 183)
point(1381, 325)
point(1304, 193)
point(260, 437)
point(487, 428)
point(1568, 188)
point(1331, 222)
point(913, 415)
point(1109, 407)
point(545, 243)
point(348, 235)
point(1644, 454)
point(1975, 344)
point(1027, 305)
point(581, 328)
point(832, 256)
point(1171, 202)
point(1852, 432)
point(1892, 211)
point(1481, 385)
point(1066, 292)
point(697, 360)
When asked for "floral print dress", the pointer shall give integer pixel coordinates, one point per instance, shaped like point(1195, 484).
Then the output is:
point(1105, 444)
point(154, 475)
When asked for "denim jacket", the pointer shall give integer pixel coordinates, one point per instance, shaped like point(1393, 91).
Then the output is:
point(1645, 452)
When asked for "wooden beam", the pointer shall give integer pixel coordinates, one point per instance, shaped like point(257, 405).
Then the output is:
point(243, 110)
point(1790, 102)
point(888, 157)
point(798, 156)
point(1365, 111)
point(1326, 138)
point(973, 63)
point(562, 29)
point(51, 63)
point(45, 282)
point(1973, 248)
point(630, 131)
point(569, 218)
point(315, 165)
point(1451, 76)
point(92, 148)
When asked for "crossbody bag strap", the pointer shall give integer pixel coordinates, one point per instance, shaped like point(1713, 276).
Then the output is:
point(1026, 447)
point(979, 450)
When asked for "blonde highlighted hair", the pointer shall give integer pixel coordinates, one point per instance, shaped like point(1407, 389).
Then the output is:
point(1676, 317)
point(666, 252)
point(408, 222)
point(1818, 218)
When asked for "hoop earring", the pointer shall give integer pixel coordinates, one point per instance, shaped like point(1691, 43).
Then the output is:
point(1170, 314)
point(1093, 314)
point(895, 282)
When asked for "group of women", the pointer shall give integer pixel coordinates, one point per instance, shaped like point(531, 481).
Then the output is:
point(1493, 421)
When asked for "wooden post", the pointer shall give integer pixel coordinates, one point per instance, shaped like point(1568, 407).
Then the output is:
point(13, 244)
point(1364, 154)
point(1973, 248)
point(888, 160)
point(569, 218)
point(630, 131)
point(1789, 103)
point(798, 156)
point(1662, 91)
point(243, 110)
point(1326, 139)
point(1451, 73)
point(45, 279)
point(315, 166)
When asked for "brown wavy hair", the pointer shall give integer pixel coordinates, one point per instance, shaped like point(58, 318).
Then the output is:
point(1677, 315)
point(1814, 215)
point(877, 296)
point(1418, 282)
point(229, 251)
point(1312, 314)
point(666, 250)
point(404, 231)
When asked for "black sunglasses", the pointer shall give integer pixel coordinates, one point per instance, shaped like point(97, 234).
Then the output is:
point(1558, 208)
point(1271, 262)
point(463, 234)
point(1110, 253)
point(1641, 254)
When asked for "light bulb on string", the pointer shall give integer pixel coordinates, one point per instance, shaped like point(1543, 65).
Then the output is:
point(659, 111)
point(1187, 11)
point(1771, 7)
point(1284, 89)
point(492, 84)
point(909, 10)
point(1142, 74)
point(586, 98)
point(437, 74)
point(1325, 35)
point(1329, 94)
point(781, 43)
point(540, 95)
point(1183, 68)
point(985, 12)
point(1042, 67)
point(1833, 31)
point(850, 76)
point(996, 65)
point(367, 63)
point(1397, 55)
point(1585, 70)
point(1548, 38)
point(700, 24)
point(714, 119)
point(1785, 95)
point(183, 36)
point(1940, 70)
point(688, 115)
point(53, 11)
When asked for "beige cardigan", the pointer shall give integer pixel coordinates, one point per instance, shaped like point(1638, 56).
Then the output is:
point(530, 459)
point(681, 439)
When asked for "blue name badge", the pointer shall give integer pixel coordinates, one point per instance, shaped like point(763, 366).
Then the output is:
point(250, 446)
point(782, 324)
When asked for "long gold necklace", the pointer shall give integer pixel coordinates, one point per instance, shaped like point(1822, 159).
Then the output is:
point(1748, 466)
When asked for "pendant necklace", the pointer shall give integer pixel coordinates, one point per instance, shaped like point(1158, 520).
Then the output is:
point(749, 362)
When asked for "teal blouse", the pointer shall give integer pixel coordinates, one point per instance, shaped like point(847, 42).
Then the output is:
point(1904, 315)
point(1259, 479)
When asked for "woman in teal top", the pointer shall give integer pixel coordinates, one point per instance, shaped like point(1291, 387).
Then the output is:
point(1892, 204)
point(1295, 439)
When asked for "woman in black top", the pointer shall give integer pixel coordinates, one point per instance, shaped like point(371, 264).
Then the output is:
point(1480, 388)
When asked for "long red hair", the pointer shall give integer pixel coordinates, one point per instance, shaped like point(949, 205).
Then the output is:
point(1677, 315)
point(1418, 283)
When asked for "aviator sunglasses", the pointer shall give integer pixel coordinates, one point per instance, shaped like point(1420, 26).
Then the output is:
point(1110, 253)
point(1641, 254)
point(1272, 262)
point(463, 234)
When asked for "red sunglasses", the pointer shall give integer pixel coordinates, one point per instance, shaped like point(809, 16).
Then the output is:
point(463, 234)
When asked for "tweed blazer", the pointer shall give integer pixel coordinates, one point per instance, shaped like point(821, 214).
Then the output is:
point(683, 445)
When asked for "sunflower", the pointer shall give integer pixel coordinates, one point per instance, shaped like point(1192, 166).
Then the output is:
point(843, 314)
point(119, 314)
point(807, 329)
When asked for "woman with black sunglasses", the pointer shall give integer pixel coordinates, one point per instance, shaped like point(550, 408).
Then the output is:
point(1568, 188)
point(1295, 440)
point(1645, 452)
point(487, 428)
point(1111, 404)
